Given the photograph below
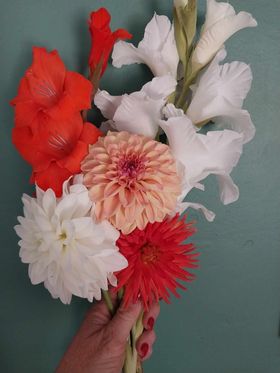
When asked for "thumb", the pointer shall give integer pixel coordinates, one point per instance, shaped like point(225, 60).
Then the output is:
point(123, 321)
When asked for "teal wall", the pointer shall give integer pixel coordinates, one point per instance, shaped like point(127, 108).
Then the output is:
point(228, 320)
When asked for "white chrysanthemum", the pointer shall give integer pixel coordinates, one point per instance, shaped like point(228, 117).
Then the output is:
point(64, 247)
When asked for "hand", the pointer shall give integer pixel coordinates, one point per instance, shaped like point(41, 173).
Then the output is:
point(99, 346)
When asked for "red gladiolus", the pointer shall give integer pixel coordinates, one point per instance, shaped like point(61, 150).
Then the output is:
point(157, 258)
point(48, 89)
point(102, 40)
point(56, 149)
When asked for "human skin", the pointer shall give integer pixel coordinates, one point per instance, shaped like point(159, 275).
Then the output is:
point(100, 343)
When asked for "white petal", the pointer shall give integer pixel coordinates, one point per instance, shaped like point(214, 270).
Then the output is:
point(229, 192)
point(157, 49)
point(108, 125)
point(126, 54)
point(220, 92)
point(221, 24)
point(215, 153)
point(49, 202)
point(209, 215)
point(216, 11)
point(64, 247)
point(230, 82)
point(239, 121)
point(139, 114)
point(160, 87)
point(107, 104)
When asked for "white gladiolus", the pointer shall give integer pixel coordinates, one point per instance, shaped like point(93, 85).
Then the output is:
point(220, 24)
point(140, 111)
point(219, 94)
point(217, 153)
point(64, 247)
point(157, 49)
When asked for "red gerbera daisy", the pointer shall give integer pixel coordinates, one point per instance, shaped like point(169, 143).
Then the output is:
point(157, 258)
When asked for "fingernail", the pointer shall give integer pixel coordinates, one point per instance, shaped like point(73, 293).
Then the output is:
point(144, 350)
point(151, 323)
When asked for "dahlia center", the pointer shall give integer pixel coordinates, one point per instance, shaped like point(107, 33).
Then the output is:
point(130, 167)
point(149, 253)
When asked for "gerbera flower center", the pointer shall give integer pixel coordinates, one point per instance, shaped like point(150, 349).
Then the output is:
point(130, 167)
point(150, 253)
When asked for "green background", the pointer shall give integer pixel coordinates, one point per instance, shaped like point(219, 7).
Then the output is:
point(228, 320)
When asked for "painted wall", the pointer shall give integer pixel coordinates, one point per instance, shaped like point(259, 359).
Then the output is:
point(228, 321)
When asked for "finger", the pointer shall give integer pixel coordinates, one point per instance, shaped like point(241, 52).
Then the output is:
point(145, 343)
point(99, 315)
point(121, 324)
point(151, 315)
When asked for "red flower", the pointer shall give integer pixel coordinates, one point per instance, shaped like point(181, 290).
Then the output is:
point(56, 149)
point(102, 39)
point(156, 260)
point(49, 89)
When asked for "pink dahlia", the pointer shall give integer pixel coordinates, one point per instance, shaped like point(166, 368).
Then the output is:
point(132, 179)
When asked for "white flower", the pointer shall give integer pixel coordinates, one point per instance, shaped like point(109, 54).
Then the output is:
point(64, 247)
point(220, 24)
point(217, 153)
point(157, 49)
point(140, 111)
point(219, 95)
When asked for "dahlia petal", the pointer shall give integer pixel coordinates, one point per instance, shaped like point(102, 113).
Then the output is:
point(154, 263)
point(126, 184)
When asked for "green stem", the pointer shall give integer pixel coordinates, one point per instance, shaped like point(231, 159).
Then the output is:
point(183, 96)
point(132, 362)
point(108, 301)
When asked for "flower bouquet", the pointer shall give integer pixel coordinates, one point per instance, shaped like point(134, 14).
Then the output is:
point(107, 209)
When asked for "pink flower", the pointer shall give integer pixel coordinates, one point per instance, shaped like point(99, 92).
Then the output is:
point(132, 179)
